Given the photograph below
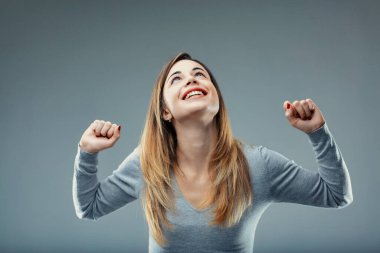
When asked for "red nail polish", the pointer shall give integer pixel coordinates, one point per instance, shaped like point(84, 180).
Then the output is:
point(287, 106)
point(119, 128)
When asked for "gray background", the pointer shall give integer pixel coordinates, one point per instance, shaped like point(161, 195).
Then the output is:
point(64, 64)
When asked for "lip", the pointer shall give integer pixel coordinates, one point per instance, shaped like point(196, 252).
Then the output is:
point(193, 89)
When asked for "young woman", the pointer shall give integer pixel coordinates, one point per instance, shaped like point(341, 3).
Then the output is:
point(202, 190)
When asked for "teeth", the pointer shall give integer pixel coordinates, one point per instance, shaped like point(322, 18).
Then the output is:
point(196, 92)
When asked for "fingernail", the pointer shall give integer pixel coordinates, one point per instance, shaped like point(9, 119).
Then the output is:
point(287, 106)
point(119, 128)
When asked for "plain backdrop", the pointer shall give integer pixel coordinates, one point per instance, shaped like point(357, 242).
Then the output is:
point(64, 64)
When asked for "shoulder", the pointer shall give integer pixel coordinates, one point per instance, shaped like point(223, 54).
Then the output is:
point(261, 152)
point(131, 164)
point(256, 156)
point(252, 151)
point(253, 154)
point(264, 157)
point(129, 171)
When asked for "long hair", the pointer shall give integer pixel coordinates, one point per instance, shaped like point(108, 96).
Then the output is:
point(231, 192)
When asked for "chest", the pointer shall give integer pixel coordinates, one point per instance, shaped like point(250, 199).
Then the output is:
point(194, 192)
point(193, 233)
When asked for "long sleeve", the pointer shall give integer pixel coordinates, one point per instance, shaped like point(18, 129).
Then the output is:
point(93, 199)
point(329, 186)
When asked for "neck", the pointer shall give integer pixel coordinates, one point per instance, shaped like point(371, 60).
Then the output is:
point(195, 144)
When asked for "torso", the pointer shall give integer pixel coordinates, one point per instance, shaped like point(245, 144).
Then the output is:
point(192, 231)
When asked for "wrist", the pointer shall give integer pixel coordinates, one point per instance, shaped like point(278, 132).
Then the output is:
point(84, 148)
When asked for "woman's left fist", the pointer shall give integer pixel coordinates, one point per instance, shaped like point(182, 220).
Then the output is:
point(304, 115)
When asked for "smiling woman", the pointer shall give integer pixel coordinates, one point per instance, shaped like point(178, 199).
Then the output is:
point(203, 190)
point(197, 145)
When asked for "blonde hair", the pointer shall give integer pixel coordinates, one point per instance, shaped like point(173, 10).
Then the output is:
point(232, 189)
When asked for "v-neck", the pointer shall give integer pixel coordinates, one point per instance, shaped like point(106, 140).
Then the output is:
point(182, 196)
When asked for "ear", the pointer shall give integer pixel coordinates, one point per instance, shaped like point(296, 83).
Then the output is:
point(166, 114)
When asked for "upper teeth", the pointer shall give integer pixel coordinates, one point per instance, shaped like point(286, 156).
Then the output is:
point(195, 92)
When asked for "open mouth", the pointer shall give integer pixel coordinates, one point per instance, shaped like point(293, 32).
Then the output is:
point(194, 93)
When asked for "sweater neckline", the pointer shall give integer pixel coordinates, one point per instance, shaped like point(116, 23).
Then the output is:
point(181, 196)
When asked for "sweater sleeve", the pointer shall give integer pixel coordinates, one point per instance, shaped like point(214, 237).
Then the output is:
point(329, 186)
point(92, 198)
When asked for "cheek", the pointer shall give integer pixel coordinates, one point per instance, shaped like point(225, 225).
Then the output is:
point(169, 98)
point(215, 94)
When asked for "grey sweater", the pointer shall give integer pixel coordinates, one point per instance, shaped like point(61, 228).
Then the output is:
point(274, 177)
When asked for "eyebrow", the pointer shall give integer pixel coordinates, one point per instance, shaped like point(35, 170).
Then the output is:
point(180, 71)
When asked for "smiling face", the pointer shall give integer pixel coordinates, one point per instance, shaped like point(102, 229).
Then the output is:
point(189, 92)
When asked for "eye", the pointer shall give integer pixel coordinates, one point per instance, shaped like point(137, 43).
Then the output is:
point(199, 73)
point(174, 79)
point(177, 77)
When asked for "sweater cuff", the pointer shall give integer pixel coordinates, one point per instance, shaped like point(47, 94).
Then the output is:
point(319, 134)
point(87, 156)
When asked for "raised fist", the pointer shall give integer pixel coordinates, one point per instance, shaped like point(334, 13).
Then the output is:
point(99, 135)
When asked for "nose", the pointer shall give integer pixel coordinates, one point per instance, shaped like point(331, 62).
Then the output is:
point(191, 80)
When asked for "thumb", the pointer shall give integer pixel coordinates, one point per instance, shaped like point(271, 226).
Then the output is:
point(290, 113)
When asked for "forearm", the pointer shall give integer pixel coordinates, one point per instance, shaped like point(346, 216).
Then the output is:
point(85, 183)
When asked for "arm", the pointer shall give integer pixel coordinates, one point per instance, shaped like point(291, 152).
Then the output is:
point(330, 186)
point(93, 199)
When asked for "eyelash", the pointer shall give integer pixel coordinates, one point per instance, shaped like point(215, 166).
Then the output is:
point(178, 76)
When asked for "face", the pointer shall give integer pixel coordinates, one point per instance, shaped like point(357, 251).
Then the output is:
point(189, 93)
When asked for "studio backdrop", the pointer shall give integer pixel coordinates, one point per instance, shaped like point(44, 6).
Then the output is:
point(64, 64)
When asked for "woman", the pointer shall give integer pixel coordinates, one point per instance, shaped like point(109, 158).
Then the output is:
point(202, 190)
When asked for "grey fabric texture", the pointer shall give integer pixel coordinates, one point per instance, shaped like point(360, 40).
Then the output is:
point(274, 178)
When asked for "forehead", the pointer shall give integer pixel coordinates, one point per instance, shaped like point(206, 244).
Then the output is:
point(184, 66)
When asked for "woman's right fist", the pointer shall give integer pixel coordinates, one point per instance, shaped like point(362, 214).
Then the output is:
point(99, 135)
